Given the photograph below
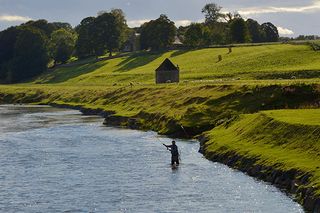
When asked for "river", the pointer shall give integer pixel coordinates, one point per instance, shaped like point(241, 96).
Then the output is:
point(57, 160)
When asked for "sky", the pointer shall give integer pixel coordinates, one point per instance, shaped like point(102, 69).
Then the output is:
point(292, 17)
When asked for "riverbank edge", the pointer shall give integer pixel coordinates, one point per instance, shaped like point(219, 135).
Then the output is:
point(293, 182)
point(289, 181)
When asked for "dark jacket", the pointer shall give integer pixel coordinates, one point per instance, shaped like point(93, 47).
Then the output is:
point(174, 150)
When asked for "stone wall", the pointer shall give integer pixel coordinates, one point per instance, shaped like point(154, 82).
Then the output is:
point(170, 76)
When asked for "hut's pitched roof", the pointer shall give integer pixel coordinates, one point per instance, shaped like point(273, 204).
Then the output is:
point(167, 65)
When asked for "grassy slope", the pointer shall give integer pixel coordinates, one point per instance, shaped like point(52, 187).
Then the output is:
point(304, 117)
point(257, 62)
point(283, 145)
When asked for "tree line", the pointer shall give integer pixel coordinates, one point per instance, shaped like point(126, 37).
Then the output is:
point(221, 29)
point(27, 50)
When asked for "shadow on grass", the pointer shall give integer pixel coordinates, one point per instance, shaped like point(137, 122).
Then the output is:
point(179, 52)
point(138, 60)
point(66, 73)
point(226, 109)
point(268, 98)
point(305, 74)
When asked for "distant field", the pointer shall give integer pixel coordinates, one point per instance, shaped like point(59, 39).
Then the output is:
point(266, 62)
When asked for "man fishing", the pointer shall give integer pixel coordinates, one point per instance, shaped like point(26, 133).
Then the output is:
point(174, 153)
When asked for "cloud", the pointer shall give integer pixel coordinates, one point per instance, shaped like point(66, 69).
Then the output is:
point(285, 31)
point(182, 23)
point(13, 18)
point(137, 23)
point(313, 7)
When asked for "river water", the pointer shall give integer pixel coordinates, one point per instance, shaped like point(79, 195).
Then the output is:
point(56, 160)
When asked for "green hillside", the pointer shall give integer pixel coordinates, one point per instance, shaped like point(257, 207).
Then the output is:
point(279, 61)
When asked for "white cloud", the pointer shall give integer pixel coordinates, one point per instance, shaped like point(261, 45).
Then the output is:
point(313, 7)
point(182, 23)
point(13, 18)
point(285, 31)
point(137, 23)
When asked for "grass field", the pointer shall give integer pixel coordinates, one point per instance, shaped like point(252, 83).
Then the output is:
point(301, 117)
point(279, 61)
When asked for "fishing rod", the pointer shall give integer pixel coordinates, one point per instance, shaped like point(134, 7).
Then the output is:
point(185, 132)
point(162, 142)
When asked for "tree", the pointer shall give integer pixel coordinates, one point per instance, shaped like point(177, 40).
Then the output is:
point(84, 44)
point(43, 25)
point(157, 34)
point(30, 55)
point(194, 35)
point(230, 16)
point(62, 25)
point(121, 25)
point(216, 31)
point(25, 46)
point(62, 44)
point(219, 33)
point(239, 31)
point(212, 13)
point(255, 30)
point(8, 39)
point(271, 32)
point(107, 33)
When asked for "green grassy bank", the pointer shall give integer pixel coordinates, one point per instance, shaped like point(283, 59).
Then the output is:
point(196, 108)
point(274, 139)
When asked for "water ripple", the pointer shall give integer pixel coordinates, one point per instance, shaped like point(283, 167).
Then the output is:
point(56, 160)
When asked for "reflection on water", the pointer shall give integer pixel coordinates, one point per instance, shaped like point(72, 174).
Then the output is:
point(55, 160)
point(23, 117)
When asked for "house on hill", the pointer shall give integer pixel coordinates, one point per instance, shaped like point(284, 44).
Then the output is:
point(167, 72)
point(133, 43)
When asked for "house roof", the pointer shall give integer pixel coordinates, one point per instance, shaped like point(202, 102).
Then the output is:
point(177, 41)
point(167, 65)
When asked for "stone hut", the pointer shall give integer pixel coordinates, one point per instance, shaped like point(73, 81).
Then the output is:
point(167, 72)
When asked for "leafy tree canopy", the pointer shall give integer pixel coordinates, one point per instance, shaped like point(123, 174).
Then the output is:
point(30, 55)
point(271, 32)
point(255, 30)
point(158, 34)
point(239, 31)
point(212, 13)
point(62, 44)
point(106, 32)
